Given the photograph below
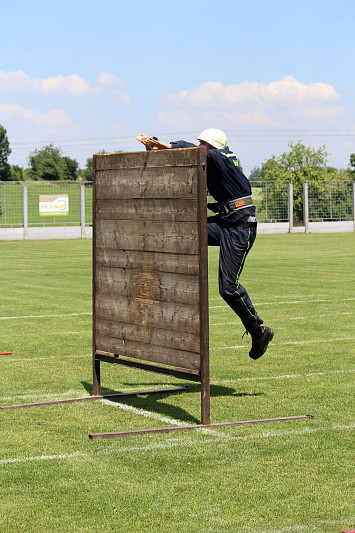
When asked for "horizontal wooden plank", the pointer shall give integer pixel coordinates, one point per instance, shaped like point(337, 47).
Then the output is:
point(180, 340)
point(176, 237)
point(148, 261)
point(148, 352)
point(166, 287)
point(146, 312)
point(169, 209)
point(153, 183)
point(144, 159)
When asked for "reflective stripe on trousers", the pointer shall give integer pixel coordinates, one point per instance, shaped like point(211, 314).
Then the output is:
point(235, 243)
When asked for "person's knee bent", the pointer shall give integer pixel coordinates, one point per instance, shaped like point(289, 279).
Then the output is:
point(227, 290)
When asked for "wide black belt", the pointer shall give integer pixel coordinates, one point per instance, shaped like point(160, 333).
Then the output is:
point(223, 208)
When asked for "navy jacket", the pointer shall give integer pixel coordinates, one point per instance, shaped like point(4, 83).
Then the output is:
point(225, 180)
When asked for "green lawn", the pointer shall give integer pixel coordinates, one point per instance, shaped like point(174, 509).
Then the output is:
point(11, 214)
point(276, 478)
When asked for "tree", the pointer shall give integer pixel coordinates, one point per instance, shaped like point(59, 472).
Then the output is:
point(255, 174)
point(87, 174)
point(49, 164)
point(352, 163)
point(5, 151)
point(297, 166)
point(17, 173)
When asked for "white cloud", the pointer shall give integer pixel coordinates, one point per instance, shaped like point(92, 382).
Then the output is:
point(323, 112)
point(54, 118)
point(107, 79)
point(123, 98)
point(249, 104)
point(178, 120)
point(66, 85)
point(69, 85)
point(11, 82)
point(288, 90)
point(253, 117)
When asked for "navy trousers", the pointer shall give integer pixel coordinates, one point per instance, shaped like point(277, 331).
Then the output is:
point(235, 243)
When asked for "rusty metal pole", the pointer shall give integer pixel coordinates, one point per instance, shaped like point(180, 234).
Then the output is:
point(203, 267)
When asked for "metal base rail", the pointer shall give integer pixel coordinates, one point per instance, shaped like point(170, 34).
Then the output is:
point(138, 432)
point(97, 397)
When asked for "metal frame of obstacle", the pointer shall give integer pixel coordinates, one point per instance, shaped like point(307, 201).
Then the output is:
point(174, 209)
point(166, 190)
point(190, 165)
point(150, 281)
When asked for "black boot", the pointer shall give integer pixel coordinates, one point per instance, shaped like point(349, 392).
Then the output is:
point(260, 342)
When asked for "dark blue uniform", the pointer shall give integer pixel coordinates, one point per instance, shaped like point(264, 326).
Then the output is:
point(232, 232)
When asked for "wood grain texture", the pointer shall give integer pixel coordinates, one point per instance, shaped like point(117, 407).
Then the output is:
point(153, 183)
point(157, 209)
point(150, 352)
point(146, 334)
point(139, 311)
point(162, 286)
point(147, 261)
point(147, 286)
point(146, 235)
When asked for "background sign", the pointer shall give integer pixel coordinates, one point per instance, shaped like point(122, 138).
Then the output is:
point(53, 204)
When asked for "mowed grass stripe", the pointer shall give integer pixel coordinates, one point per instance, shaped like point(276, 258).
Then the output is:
point(254, 479)
point(291, 343)
point(181, 442)
point(79, 393)
point(310, 301)
point(68, 315)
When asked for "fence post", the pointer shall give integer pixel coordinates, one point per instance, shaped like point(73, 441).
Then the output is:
point(25, 211)
point(354, 203)
point(305, 207)
point(290, 207)
point(82, 210)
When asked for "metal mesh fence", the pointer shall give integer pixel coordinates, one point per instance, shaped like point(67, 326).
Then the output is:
point(11, 213)
point(11, 203)
point(88, 203)
point(37, 191)
point(330, 200)
point(327, 201)
point(271, 200)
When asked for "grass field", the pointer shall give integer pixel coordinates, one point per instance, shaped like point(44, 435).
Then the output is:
point(11, 214)
point(280, 477)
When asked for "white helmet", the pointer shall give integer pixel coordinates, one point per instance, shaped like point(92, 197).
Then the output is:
point(214, 137)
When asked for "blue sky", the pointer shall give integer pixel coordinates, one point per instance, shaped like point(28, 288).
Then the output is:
point(91, 76)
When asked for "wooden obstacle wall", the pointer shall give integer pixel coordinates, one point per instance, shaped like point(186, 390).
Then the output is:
point(150, 264)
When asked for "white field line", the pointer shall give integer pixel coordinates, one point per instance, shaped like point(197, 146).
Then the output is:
point(49, 395)
point(43, 316)
point(287, 343)
point(67, 394)
point(285, 376)
point(6, 359)
point(313, 526)
point(176, 443)
point(156, 416)
point(289, 302)
point(12, 335)
point(70, 393)
point(237, 321)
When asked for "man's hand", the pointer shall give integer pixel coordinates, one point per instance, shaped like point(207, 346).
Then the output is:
point(152, 143)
